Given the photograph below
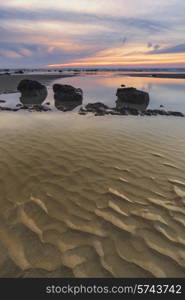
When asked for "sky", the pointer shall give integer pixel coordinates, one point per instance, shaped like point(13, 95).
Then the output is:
point(98, 33)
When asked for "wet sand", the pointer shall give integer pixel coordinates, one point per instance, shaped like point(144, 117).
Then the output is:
point(91, 197)
point(9, 83)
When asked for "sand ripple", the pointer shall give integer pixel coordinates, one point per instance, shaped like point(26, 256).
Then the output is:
point(81, 198)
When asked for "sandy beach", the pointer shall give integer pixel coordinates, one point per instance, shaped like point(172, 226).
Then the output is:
point(86, 196)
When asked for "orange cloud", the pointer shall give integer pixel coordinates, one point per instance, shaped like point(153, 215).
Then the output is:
point(121, 56)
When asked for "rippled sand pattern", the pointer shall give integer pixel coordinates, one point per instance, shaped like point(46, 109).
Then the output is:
point(91, 197)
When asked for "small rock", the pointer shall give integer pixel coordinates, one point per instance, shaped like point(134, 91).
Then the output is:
point(176, 113)
point(83, 113)
point(96, 107)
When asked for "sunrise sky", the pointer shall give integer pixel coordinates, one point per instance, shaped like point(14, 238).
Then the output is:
point(98, 33)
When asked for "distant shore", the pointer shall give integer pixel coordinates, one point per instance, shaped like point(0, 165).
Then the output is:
point(157, 75)
point(9, 83)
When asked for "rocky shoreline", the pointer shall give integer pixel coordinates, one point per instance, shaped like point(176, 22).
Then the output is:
point(130, 101)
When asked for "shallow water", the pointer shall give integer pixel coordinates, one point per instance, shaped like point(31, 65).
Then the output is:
point(102, 87)
point(91, 197)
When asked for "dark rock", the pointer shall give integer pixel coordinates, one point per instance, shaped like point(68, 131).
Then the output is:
point(83, 113)
point(32, 92)
point(29, 85)
point(96, 107)
point(132, 98)
point(148, 113)
point(19, 72)
point(67, 93)
point(176, 114)
point(123, 112)
point(82, 109)
point(2, 101)
point(113, 112)
point(133, 111)
point(99, 114)
point(19, 105)
point(161, 112)
point(67, 105)
point(38, 108)
point(4, 108)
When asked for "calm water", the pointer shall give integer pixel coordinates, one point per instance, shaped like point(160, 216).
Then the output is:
point(102, 87)
point(94, 197)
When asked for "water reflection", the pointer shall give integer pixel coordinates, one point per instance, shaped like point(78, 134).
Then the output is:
point(66, 105)
point(102, 88)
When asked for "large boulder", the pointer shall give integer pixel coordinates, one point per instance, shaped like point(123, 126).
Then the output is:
point(132, 98)
point(67, 93)
point(32, 92)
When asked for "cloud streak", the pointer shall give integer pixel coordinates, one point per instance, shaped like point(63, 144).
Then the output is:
point(40, 33)
point(174, 49)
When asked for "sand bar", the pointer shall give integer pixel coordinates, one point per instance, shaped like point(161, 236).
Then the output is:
point(158, 75)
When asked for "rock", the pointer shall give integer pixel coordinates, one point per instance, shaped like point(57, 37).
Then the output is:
point(148, 113)
point(2, 101)
point(67, 105)
point(32, 92)
point(67, 93)
point(19, 105)
point(113, 112)
point(6, 73)
point(3, 108)
point(132, 98)
point(123, 111)
point(99, 114)
point(19, 72)
point(96, 107)
point(133, 111)
point(176, 114)
point(83, 113)
point(38, 108)
point(161, 112)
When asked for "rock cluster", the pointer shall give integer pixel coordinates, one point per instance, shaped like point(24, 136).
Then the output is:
point(130, 101)
point(100, 109)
